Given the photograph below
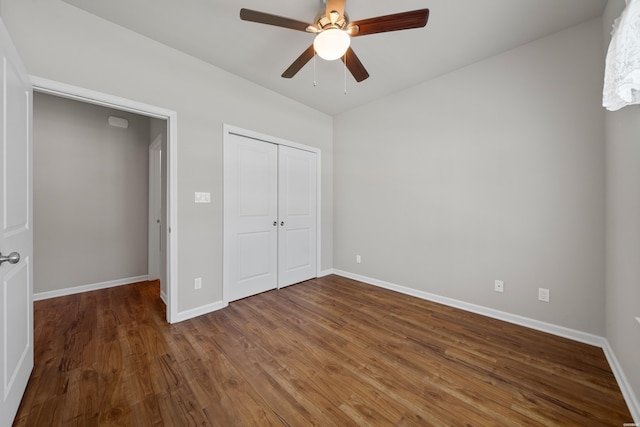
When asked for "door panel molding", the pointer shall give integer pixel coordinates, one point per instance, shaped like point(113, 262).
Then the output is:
point(17, 297)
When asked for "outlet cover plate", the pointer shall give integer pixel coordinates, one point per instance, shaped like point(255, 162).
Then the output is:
point(543, 294)
point(498, 286)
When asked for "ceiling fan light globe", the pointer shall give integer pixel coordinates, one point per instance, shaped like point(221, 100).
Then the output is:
point(332, 44)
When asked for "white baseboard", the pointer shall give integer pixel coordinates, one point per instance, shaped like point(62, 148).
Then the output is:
point(209, 308)
point(485, 311)
point(199, 311)
point(86, 288)
point(595, 340)
point(623, 383)
point(325, 272)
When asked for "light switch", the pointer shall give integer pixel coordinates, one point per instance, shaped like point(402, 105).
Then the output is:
point(203, 197)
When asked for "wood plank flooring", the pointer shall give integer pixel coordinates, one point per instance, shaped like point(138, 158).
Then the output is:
point(327, 352)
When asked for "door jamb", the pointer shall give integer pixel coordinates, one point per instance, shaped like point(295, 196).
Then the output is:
point(171, 227)
point(154, 186)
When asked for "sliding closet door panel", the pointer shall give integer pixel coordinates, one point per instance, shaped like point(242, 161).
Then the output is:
point(251, 186)
point(297, 215)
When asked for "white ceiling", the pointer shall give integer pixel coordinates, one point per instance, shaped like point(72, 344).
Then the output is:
point(459, 33)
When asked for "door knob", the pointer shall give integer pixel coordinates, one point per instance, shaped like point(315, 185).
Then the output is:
point(13, 258)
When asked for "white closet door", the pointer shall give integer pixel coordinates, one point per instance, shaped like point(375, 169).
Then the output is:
point(251, 196)
point(297, 215)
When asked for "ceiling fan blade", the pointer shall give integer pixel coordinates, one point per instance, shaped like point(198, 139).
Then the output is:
point(269, 19)
point(354, 65)
point(397, 21)
point(335, 5)
point(299, 63)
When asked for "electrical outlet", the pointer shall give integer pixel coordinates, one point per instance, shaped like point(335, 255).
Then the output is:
point(498, 286)
point(197, 283)
point(543, 294)
point(358, 259)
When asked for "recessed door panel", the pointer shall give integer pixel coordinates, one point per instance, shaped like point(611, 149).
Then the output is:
point(298, 178)
point(255, 176)
point(254, 255)
point(17, 169)
point(19, 333)
point(297, 242)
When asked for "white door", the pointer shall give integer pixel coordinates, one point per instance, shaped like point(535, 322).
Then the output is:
point(297, 207)
point(155, 210)
point(270, 211)
point(251, 215)
point(16, 231)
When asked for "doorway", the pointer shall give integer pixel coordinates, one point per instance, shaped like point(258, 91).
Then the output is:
point(168, 118)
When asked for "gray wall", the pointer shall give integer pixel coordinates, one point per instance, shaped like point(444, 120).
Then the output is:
point(494, 171)
point(90, 194)
point(623, 227)
point(65, 44)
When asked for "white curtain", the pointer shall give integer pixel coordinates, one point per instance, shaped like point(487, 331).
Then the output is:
point(622, 70)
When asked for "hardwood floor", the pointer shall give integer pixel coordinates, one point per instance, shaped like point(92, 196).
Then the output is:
point(327, 352)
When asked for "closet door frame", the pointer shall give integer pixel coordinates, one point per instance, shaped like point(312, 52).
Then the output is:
point(233, 130)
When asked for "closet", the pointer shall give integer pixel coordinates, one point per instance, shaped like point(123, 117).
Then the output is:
point(270, 214)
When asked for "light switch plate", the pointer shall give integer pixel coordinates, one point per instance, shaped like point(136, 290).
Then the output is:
point(202, 197)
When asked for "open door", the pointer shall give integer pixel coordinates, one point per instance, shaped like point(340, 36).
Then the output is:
point(16, 231)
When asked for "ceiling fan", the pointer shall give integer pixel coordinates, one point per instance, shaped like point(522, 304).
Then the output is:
point(334, 31)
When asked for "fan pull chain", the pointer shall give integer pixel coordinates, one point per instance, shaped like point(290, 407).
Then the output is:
point(315, 83)
point(345, 73)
